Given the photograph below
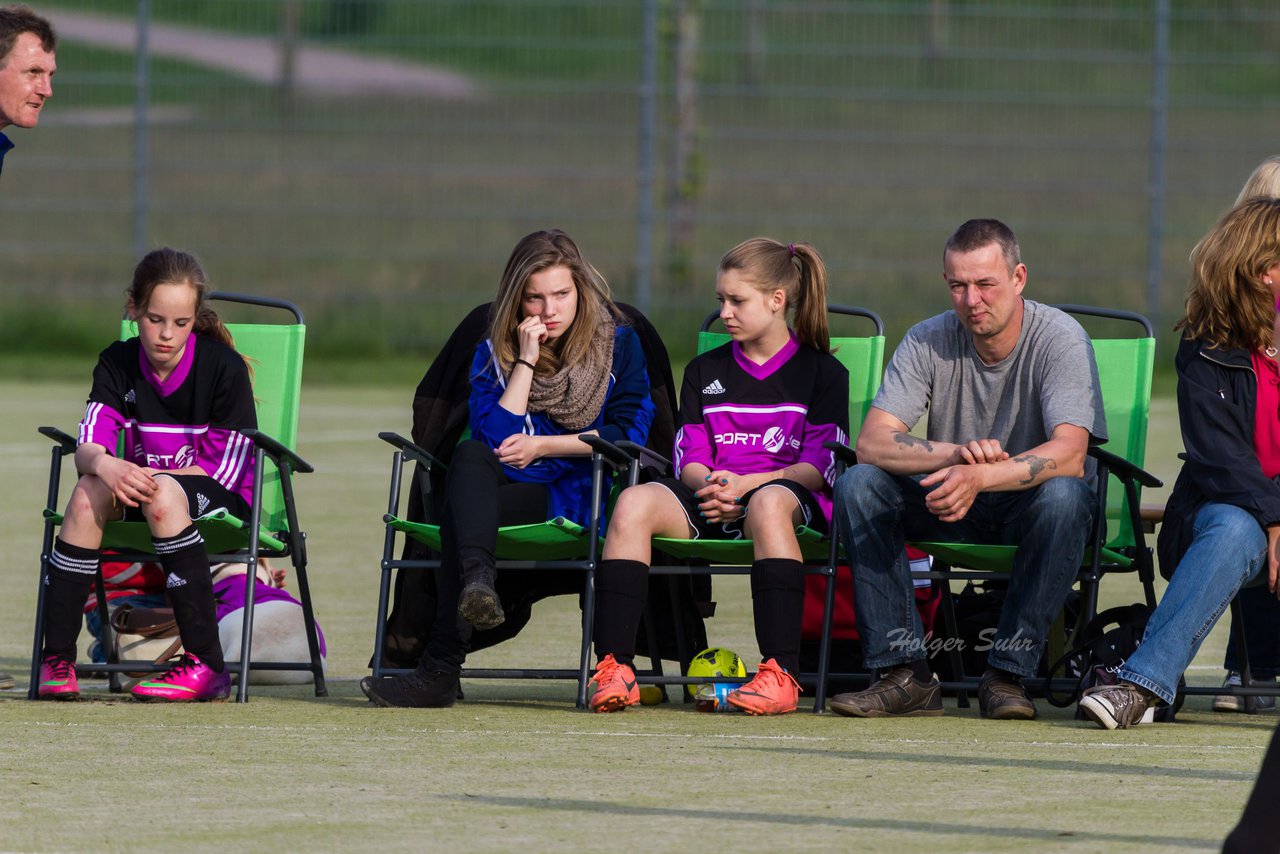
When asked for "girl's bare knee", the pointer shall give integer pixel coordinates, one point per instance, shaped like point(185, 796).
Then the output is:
point(772, 506)
point(90, 498)
point(169, 503)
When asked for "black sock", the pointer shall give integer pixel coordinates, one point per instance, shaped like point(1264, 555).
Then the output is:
point(190, 590)
point(71, 573)
point(622, 589)
point(777, 601)
point(920, 670)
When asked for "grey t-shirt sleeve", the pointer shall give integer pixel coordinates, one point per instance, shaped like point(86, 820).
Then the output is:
point(1069, 389)
point(907, 387)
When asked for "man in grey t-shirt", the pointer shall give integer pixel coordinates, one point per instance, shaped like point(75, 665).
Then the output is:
point(1011, 390)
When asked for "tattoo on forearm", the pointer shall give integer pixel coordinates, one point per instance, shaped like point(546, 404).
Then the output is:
point(913, 441)
point(1036, 464)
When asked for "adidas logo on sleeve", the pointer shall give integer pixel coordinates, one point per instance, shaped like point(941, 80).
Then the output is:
point(714, 388)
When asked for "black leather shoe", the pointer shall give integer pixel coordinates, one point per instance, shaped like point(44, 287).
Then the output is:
point(424, 688)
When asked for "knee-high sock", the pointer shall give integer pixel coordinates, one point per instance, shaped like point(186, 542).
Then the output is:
point(71, 573)
point(622, 588)
point(190, 590)
point(777, 601)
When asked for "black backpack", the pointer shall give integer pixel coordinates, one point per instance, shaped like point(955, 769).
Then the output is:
point(1109, 638)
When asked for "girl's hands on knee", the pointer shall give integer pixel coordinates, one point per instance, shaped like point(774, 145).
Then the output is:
point(718, 500)
point(131, 484)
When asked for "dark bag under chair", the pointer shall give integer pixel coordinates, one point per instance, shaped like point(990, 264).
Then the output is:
point(1109, 639)
point(145, 634)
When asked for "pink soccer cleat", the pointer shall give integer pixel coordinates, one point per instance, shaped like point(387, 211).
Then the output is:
point(188, 681)
point(58, 679)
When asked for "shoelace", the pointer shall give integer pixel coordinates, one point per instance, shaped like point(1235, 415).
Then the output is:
point(61, 668)
point(185, 663)
point(607, 671)
point(772, 673)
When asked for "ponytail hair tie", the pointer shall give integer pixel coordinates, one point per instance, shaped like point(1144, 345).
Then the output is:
point(791, 248)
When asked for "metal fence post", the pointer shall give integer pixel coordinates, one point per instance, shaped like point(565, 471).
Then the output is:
point(142, 94)
point(645, 175)
point(1156, 176)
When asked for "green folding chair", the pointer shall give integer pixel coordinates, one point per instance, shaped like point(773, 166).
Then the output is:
point(555, 544)
point(1117, 542)
point(863, 357)
point(275, 350)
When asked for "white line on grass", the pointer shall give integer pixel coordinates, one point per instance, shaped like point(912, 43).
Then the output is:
point(924, 742)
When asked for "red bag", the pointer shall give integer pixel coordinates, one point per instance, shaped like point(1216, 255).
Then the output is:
point(843, 625)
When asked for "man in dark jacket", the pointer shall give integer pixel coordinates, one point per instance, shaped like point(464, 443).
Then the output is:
point(27, 43)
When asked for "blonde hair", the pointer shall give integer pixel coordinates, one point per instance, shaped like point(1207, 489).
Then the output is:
point(797, 270)
point(1228, 305)
point(536, 252)
point(1264, 181)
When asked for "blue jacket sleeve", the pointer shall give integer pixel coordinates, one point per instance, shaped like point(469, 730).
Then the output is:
point(490, 423)
point(628, 411)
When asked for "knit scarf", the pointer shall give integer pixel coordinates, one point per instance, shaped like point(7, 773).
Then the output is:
point(574, 395)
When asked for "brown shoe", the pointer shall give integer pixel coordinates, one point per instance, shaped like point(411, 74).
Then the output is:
point(1001, 697)
point(897, 695)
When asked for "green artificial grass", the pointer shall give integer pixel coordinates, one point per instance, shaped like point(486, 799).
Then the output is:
point(516, 767)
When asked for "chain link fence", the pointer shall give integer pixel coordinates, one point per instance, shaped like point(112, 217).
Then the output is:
point(375, 160)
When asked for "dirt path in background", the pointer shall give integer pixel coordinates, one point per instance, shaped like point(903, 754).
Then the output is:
point(318, 70)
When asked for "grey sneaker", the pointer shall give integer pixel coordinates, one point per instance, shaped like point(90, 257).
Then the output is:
point(897, 695)
point(7, 681)
point(1118, 706)
point(1232, 703)
point(1001, 697)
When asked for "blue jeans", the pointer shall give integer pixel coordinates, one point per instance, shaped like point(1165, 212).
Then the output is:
point(1228, 550)
point(877, 512)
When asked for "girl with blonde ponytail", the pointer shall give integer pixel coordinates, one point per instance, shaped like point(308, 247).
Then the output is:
point(750, 463)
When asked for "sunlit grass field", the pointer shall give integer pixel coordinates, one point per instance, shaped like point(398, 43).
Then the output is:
point(516, 766)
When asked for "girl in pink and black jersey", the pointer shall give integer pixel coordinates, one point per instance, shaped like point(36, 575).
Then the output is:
point(178, 394)
point(749, 460)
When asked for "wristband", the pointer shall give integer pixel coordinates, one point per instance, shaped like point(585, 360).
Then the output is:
point(527, 364)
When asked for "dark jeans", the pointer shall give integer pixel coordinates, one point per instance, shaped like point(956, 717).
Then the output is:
point(479, 498)
point(877, 511)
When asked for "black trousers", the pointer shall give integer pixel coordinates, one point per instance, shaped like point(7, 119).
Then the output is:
point(479, 499)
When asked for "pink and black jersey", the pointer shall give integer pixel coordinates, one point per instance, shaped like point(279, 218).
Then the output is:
point(747, 418)
point(191, 418)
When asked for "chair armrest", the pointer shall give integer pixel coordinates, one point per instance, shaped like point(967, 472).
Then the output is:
point(68, 444)
point(615, 456)
point(1152, 514)
point(843, 452)
point(645, 455)
point(412, 451)
point(277, 452)
point(1124, 469)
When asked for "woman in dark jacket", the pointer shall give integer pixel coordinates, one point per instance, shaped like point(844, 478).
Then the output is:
point(1222, 523)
